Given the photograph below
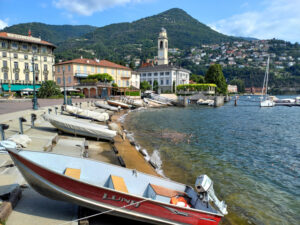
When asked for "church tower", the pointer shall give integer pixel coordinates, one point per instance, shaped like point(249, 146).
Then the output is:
point(163, 47)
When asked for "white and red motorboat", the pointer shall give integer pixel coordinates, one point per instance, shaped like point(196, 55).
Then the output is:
point(120, 191)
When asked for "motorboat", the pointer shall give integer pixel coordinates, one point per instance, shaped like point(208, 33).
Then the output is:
point(209, 102)
point(118, 191)
point(117, 103)
point(106, 106)
point(87, 114)
point(156, 101)
point(82, 128)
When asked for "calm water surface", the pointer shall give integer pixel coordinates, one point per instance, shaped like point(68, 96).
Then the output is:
point(251, 153)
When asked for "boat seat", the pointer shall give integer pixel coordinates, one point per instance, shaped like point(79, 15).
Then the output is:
point(161, 193)
point(117, 183)
point(74, 173)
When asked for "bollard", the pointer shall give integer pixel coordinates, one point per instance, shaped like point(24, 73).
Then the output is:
point(21, 120)
point(76, 104)
point(3, 127)
point(62, 109)
point(80, 104)
point(49, 111)
point(88, 103)
point(33, 118)
point(56, 108)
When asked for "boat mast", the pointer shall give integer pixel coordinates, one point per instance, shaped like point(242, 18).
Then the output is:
point(266, 79)
point(267, 73)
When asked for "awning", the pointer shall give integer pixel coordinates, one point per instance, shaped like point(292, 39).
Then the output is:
point(19, 87)
point(81, 75)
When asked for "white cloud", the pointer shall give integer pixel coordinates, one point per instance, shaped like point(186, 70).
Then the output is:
point(3, 24)
point(88, 7)
point(278, 19)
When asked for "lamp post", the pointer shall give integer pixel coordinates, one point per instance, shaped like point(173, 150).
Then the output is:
point(34, 100)
point(64, 79)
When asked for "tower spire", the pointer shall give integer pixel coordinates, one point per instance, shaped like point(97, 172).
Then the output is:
point(163, 47)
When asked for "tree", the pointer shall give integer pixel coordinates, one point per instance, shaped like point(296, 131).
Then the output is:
point(103, 77)
point(215, 75)
point(239, 83)
point(49, 88)
point(145, 86)
point(155, 86)
point(197, 78)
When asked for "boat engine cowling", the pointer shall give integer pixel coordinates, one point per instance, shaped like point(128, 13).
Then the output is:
point(205, 189)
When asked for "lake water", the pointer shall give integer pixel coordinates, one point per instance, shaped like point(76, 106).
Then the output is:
point(252, 154)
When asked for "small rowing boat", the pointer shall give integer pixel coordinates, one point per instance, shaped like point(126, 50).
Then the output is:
point(106, 106)
point(121, 104)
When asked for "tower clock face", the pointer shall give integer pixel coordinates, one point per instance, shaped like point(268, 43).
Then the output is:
point(161, 54)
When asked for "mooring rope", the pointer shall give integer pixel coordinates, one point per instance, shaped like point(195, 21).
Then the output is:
point(100, 213)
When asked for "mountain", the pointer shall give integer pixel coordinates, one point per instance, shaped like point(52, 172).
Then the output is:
point(51, 33)
point(139, 38)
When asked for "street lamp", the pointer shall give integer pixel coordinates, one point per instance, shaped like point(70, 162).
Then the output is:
point(64, 79)
point(34, 100)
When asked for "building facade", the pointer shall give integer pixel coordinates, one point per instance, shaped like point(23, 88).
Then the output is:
point(166, 75)
point(16, 54)
point(232, 88)
point(77, 69)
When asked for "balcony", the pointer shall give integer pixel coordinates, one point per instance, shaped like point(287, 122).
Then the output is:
point(16, 70)
point(5, 69)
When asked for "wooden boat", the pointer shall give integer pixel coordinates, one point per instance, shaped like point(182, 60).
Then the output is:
point(78, 127)
point(119, 191)
point(106, 106)
point(121, 104)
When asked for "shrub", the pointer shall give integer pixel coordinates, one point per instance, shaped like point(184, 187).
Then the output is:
point(194, 87)
point(132, 93)
point(49, 88)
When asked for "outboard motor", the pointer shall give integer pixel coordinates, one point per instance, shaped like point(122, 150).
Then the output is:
point(204, 187)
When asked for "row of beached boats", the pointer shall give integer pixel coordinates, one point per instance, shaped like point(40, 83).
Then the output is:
point(109, 188)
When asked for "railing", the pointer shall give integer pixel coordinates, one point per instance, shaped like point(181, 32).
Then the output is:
point(2, 81)
point(105, 84)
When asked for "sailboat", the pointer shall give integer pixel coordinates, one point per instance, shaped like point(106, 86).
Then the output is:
point(265, 100)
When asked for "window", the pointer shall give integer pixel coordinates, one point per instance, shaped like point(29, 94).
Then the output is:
point(25, 56)
point(150, 82)
point(5, 76)
point(93, 70)
point(69, 67)
point(69, 80)
point(34, 48)
point(155, 74)
point(45, 67)
point(26, 76)
point(98, 70)
point(167, 82)
point(161, 73)
point(58, 69)
point(105, 70)
point(26, 66)
point(3, 44)
point(44, 50)
point(16, 65)
point(112, 71)
point(85, 69)
point(161, 44)
point(4, 54)
point(167, 73)
point(14, 45)
point(119, 82)
point(15, 55)
point(127, 83)
point(45, 58)
point(16, 76)
point(36, 77)
point(149, 74)
point(4, 63)
point(144, 74)
point(119, 72)
point(161, 82)
point(25, 47)
point(46, 77)
point(58, 80)
point(36, 66)
point(78, 69)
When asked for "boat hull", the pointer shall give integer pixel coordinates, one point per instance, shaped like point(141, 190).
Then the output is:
point(58, 186)
point(122, 105)
point(267, 103)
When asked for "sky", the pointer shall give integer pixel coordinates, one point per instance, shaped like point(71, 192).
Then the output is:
point(262, 19)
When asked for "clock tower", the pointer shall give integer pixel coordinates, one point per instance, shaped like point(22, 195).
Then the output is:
point(163, 47)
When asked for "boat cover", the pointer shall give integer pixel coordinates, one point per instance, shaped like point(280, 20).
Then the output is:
point(106, 106)
point(87, 113)
point(80, 127)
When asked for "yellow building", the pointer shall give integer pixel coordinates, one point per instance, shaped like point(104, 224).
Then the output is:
point(16, 53)
point(77, 69)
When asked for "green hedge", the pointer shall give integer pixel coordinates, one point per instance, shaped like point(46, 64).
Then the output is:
point(133, 93)
point(194, 87)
